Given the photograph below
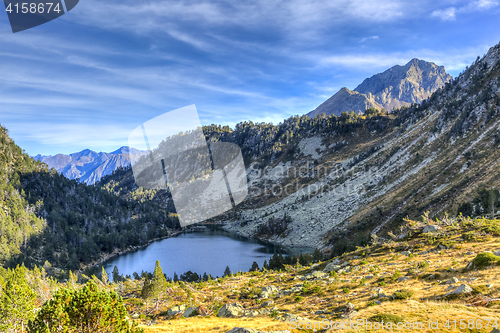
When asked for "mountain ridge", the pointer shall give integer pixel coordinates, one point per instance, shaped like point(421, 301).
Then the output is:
point(89, 166)
point(396, 87)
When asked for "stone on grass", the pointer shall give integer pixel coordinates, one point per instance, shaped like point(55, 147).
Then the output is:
point(462, 289)
point(189, 311)
point(176, 310)
point(431, 228)
point(230, 310)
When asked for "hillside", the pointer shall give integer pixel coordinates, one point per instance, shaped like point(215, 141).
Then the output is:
point(396, 87)
point(435, 270)
point(47, 219)
point(88, 166)
point(442, 273)
point(341, 179)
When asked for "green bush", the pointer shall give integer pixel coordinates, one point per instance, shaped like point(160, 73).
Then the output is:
point(316, 289)
point(485, 259)
point(423, 264)
point(299, 298)
point(403, 294)
point(85, 310)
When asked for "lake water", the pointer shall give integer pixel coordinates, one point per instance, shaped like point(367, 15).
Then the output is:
point(203, 251)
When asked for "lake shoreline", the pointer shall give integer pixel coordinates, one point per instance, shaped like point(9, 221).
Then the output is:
point(116, 252)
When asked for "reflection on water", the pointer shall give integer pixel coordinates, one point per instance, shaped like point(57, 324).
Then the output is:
point(203, 251)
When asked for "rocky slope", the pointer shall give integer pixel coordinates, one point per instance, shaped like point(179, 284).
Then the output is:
point(396, 87)
point(331, 182)
point(434, 271)
point(88, 165)
point(338, 186)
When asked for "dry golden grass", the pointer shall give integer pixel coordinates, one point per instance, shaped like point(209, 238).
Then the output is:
point(212, 324)
point(423, 306)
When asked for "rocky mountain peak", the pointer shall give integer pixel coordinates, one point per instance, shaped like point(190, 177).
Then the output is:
point(397, 86)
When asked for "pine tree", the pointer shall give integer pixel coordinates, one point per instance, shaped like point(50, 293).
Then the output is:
point(17, 300)
point(104, 276)
point(159, 284)
point(116, 275)
point(255, 267)
point(227, 271)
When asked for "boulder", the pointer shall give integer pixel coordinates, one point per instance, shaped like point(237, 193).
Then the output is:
point(431, 228)
point(334, 265)
point(405, 253)
point(267, 303)
point(176, 310)
point(453, 280)
point(403, 278)
point(495, 330)
point(497, 253)
point(462, 289)
point(230, 310)
point(268, 291)
point(244, 330)
point(189, 312)
point(316, 275)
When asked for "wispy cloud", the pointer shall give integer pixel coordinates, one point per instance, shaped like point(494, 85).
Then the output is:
point(368, 38)
point(452, 59)
point(449, 14)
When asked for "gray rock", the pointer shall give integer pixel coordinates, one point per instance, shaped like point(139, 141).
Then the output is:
point(431, 228)
point(176, 310)
point(462, 289)
point(378, 302)
point(230, 310)
point(403, 278)
point(495, 330)
point(497, 253)
point(316, 275)
point(453, 280)
point(268, 291)
point(332, 267)
point(244, 330)
point(405, 253)
point(267, 303)
point(189, 311)
point(470, 253)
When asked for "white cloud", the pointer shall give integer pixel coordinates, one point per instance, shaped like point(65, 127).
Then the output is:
point(449, 14)
point(368, 38)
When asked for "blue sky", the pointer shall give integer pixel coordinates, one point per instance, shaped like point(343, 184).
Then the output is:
point(88, 79)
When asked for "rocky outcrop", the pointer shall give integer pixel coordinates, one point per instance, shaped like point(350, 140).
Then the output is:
point(396, 87)
point(230, 310)
point(346, 100)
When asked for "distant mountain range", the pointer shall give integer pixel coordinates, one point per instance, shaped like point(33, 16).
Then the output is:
point(396, 87)
point(88, 165)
